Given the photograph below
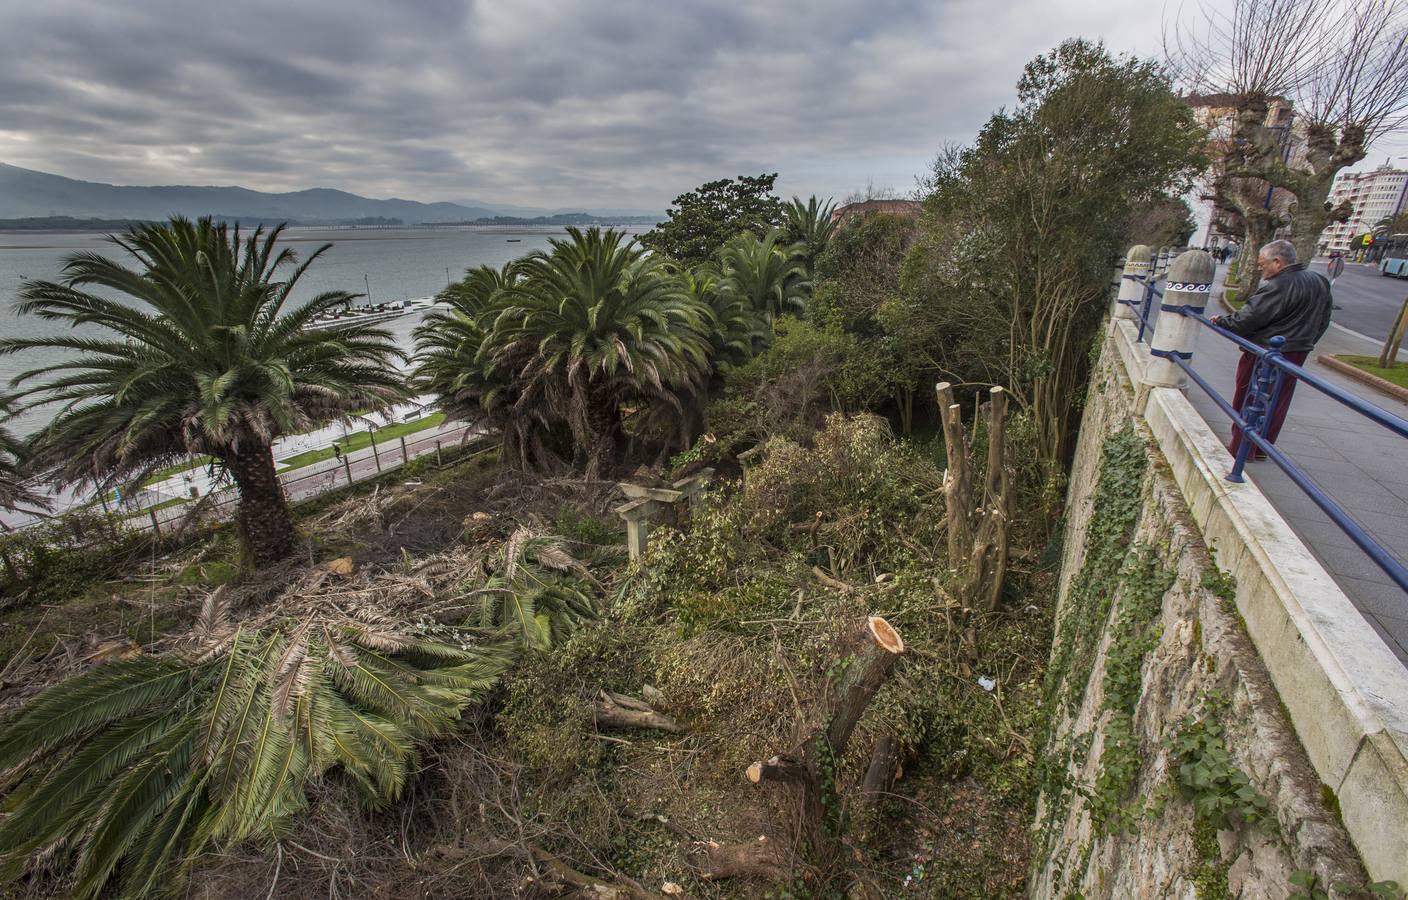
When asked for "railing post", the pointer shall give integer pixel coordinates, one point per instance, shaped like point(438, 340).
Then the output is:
point(1188, 286)
point(1146, 306)
point(1262, 394)
point(1136, 269)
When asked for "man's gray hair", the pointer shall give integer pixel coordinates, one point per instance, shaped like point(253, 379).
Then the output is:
point(1282, 250)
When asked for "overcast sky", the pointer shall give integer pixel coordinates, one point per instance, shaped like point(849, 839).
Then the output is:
point(531, 102)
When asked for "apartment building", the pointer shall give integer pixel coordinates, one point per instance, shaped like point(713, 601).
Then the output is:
point(1375, 196)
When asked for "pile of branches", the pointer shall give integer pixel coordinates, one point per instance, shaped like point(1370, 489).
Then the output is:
point(125, 773)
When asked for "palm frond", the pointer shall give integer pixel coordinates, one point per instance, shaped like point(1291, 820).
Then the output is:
point(134, 767)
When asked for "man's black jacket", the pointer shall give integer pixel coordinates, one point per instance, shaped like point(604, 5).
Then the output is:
point(1294, 304)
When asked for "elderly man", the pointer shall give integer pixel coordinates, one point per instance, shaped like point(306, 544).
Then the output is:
point(1292, 303)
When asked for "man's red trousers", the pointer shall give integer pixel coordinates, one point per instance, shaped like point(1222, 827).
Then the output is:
point(1245, 366)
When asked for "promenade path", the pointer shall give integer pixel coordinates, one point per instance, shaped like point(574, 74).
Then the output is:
point(360, 465)
point(1362, 466)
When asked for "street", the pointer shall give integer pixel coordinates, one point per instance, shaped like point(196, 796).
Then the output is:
point(1368, 301)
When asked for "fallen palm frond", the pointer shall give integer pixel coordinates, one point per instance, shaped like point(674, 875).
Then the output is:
point(133, 767)
point(535, 589)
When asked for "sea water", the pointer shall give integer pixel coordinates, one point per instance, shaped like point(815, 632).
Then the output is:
point(384, 264)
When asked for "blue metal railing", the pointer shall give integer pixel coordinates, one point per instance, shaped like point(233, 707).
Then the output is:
point(1258, 407)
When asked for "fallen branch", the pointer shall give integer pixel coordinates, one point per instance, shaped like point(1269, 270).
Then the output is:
point(830, 582)
point(615, 710)
point(590, 885)
point(759, 858)
point(880, 777)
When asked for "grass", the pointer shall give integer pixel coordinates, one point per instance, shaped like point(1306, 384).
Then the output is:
point(360, 439)
point(1397, 375)
point(174, 501)
point(1231, 293)
point(195, 462)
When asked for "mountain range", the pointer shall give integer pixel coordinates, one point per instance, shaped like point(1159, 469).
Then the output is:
point(26, 193)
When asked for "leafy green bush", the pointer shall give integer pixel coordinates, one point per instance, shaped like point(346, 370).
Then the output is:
point(60, 558)
point(807, 372)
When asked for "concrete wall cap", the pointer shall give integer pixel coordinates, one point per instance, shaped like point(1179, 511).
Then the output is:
point(1191, 271)
point(1139, 253)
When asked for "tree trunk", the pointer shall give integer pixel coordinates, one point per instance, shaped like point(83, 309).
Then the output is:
point(905, 401)
point(601, 419)
point(813, 766)
point(880, 777)
point(958, 485)
point(1259, 231)
point(1310, 216)
point(263, 519)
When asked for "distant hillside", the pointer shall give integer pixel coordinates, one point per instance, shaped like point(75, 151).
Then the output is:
point(25, 193)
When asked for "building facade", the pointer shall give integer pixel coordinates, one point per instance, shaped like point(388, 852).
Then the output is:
point(1375, 196)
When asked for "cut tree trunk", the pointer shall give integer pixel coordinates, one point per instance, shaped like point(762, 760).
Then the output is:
point(977, 528)
point(813, 765)
point(880, 777)
point(615, 710)
point(761, 858)
point(958, 483)
point(988, 568)
point(263, 519)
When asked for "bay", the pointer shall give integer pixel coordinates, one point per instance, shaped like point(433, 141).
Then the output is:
point(389, 264)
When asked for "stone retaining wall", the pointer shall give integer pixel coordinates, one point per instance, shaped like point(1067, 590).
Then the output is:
point(1169, 731)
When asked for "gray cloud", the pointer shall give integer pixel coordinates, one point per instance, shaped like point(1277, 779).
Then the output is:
point(541, 102)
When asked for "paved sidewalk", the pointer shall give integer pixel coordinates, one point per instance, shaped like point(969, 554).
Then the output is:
point(1360, 465)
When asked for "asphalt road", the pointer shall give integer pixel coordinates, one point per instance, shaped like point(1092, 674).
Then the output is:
point(1368, 301)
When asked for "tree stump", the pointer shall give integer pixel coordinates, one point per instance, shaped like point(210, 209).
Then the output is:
point(977, 528)
point(811, 766)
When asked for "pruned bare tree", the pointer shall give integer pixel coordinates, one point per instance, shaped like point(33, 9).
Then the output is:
point(1340, 65)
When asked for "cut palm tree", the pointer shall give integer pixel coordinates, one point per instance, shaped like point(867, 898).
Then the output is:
point(133, 768)
point(203, 354)
point(535, 589)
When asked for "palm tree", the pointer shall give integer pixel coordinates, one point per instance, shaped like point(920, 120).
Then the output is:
point(455, 363)
point(739, 331)
point(809, 224)
point(768, 273)
point(593, 324)
point(14, 491)
point(201, 356)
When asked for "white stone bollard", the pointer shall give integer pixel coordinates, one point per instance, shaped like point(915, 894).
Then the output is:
point(1136, 264)
point(1189, 282)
